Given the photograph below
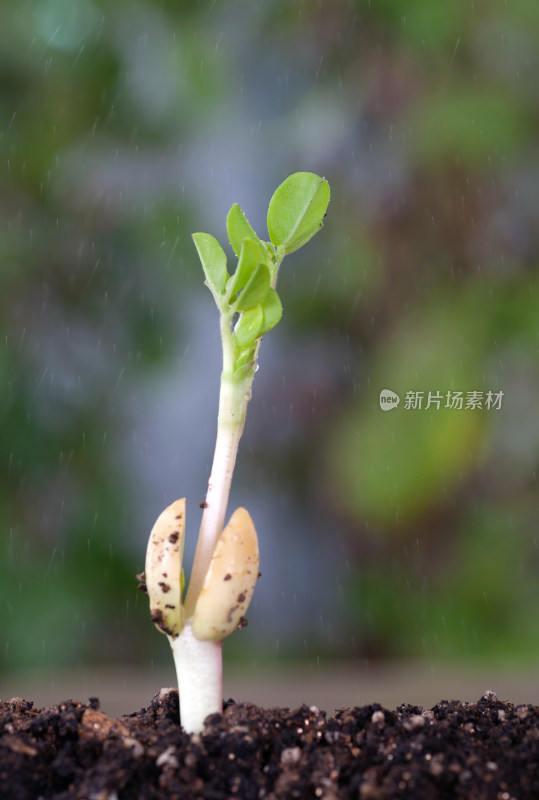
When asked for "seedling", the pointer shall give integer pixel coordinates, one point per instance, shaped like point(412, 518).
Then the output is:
point(225, 567)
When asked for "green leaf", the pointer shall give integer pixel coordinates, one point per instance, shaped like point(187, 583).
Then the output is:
point(245, 357)
point(297, 209)
point(256, 289)
point(251, 254)
point(238, 228)
point(248, 327)
point(242, 371)
point(272, 311)
point(271, 251)
point(213, 259)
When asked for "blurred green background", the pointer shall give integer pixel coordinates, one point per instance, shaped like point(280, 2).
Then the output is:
point(125, 126)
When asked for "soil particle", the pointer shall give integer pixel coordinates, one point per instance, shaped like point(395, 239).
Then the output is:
point(487, 750)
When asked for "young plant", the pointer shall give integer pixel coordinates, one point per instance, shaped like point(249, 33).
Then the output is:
point(225, 567)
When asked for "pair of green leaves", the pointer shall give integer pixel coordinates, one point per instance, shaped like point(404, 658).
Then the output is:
point(249, 292)
point(296, 212)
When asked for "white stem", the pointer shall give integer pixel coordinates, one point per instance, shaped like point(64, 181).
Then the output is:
point(233, 398)
point(199, 663)
point(200, 678)
point(213, 518)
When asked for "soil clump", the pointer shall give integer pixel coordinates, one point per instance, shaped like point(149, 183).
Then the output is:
point(486, 750)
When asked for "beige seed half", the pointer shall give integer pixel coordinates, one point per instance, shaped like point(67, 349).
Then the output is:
point(163, 568)
point(229, 582)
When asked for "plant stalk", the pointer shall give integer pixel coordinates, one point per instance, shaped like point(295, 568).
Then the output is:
point(198, 663)
point(233, 398)
point(200, 678)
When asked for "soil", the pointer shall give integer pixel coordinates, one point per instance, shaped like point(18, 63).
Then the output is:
point(487, 750)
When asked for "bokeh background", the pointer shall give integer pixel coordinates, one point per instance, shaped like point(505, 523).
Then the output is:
point(125, 126)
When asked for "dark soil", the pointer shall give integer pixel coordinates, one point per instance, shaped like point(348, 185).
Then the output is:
point(487, 750)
